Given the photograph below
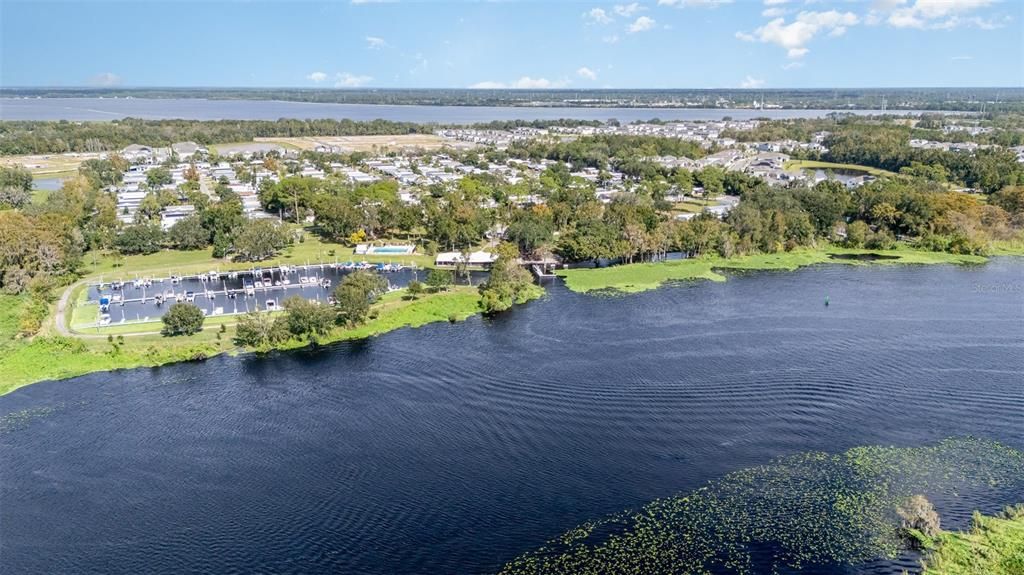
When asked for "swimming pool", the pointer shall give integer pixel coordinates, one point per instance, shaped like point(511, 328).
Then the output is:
point(404, 250)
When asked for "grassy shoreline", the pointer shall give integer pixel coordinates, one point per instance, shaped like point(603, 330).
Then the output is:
point(52, 357)
point(994, 545)
point(633, 278)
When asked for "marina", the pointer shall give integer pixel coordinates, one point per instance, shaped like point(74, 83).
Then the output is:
point(224, 293)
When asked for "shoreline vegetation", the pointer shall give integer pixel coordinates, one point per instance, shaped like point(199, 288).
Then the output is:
point(50, 356)
point(54, 357)
point(994, 545)
point(639, 277)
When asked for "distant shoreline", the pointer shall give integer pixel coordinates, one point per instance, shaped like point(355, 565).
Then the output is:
point(107, 108)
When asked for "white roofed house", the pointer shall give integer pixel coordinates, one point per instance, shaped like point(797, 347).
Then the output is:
point(186, 150)
point(173, 214)
point(138, 152)
point(476, 259)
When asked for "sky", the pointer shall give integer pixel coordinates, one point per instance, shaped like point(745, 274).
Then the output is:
point(513, 44)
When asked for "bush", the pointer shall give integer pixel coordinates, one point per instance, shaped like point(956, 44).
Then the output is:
point(182, 319)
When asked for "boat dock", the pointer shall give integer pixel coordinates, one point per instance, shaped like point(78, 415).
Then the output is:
point(215, 283)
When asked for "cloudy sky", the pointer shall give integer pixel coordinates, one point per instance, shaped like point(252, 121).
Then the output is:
point(515, 44)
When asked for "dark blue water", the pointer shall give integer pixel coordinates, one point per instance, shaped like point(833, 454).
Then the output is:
point(453, 448)
point(200, 109)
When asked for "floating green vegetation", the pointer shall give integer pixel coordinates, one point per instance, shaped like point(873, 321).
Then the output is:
point(802, 510)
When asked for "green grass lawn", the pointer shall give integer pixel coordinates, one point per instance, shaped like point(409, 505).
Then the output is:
point(993, 546)
point(647, 276)
point(167, 262)
point(796, 165)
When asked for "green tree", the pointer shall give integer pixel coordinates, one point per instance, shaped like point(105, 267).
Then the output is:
point(144, 238)
point(354, 295)
point(259, 240)
point(15, 177)
point(189, 234)
point(308, 319)
point(182, 319)
point(507, 283)
point(415, 289)
point(158, 177)
point(261, 330)
point(439, 280)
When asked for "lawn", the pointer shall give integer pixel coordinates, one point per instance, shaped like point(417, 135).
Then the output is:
point(797, 165)
point(108, 265)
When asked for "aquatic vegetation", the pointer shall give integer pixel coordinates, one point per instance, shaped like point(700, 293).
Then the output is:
point(807, 509)
point(640, 277)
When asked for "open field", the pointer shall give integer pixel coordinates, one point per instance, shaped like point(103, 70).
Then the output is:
point(647, 276)
point(797, 165)
point(49, 165)
point(363, 143)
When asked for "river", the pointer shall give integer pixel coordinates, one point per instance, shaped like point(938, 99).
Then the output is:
point(85, 109)
point(452, 448)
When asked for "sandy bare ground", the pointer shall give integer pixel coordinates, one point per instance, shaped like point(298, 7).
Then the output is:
point(42, 165)
point(365, 143)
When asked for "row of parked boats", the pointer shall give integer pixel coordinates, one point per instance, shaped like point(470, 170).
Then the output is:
point(260, 273)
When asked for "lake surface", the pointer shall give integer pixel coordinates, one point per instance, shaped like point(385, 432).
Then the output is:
point(455, 447)
point(200, 109)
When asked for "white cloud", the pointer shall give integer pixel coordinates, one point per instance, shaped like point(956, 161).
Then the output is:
point(795, 35)
point(524, 83)
point(931, 14)
point(597, 16)
point(751, 82)
point(528, 83)
point(773, 12)
point(317, 77)
point(775, 2)
point(961, 58)
point(488, 86)
point(611, 39)
point(375, 43)
point(793, 65)
point(627, 10)
point(694, 3)
point(587, 73)
point(641, 24)
point(105, 79)
point(346, 80)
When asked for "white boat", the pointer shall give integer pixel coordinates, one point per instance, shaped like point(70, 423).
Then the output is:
point(286, 281)
point(190, 296)
point(258, 284)
point(271, 305)
point(303, 280)
point(326, 283)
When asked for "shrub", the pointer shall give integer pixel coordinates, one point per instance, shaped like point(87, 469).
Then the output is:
point(182, 319)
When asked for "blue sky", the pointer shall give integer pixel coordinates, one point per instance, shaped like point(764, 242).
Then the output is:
point(525, 44)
